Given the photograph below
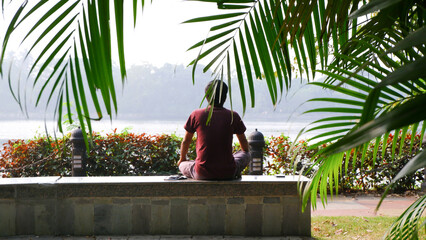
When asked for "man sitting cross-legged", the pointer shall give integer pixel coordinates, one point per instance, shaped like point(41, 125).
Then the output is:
point(215, 160)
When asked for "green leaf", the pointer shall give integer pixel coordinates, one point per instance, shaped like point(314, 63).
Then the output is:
point(214, 17)
point(413, 39)
point(119, 22)
point(373, 6)
point(240, 77)
point(224, 25)
point(407, 72)
point(9, 31)
point(212, 38)
point(45, 16)
point(406, 114)
point(336, 110)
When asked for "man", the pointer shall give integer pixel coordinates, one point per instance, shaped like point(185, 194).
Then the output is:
point(214, 139)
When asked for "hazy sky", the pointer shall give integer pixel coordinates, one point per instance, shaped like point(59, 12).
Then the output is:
point(159, 36)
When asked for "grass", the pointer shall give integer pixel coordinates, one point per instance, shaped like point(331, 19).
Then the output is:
point(347, 227)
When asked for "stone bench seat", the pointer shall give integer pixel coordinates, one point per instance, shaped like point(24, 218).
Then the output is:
point(151, 205)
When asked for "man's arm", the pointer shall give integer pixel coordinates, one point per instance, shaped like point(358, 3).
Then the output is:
point(187, 139)
point(243, 142)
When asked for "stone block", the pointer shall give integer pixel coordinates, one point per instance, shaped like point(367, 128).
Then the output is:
point(141, 219)
point(121, 200)
point(39, 191)
point(272, 219)
point(145, 201)
point(44, 216)
point(216, 201)
point(179, 201)
point(103, 219)
point(253, 220)
point(253, 200)
point(235, 200)
point(198, 221)
point(121, 219)
point(294, 222)
point(25, 224)
point(271, 200)
point(179, 217)
point(84, 218)
point(7, 192)
point(65, 217)
point(235, 219)
point(201, 201)
point(7, 219)
point(216, 219)
point(160, 217)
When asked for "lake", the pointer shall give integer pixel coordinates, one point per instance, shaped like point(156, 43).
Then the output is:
point(27, 129)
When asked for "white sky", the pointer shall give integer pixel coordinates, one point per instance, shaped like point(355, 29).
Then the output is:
point(159, 36)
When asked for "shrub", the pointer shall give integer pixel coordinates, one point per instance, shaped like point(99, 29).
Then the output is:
point(287, 157)
point(114, 154)
point(369, 173)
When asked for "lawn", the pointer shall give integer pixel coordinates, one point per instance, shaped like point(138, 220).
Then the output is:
point(353, 227)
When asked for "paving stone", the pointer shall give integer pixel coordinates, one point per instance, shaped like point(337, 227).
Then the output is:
point(253, 220)
point(141, 219)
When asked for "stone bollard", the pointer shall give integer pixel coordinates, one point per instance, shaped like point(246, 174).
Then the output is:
point(78, 158)
point(257, 143)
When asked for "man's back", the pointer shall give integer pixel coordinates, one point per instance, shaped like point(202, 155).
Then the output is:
point(214, 141)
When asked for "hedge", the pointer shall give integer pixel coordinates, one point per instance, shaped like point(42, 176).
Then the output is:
point(129, 154)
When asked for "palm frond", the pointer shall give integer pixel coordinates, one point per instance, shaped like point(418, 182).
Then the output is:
point(265, 37)
point(75, 38)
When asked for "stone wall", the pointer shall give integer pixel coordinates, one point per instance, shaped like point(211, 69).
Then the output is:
point(252, 206)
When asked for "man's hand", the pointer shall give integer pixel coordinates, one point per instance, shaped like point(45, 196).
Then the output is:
point(181, 160)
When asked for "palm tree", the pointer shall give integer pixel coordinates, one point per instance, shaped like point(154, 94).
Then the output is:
point(372, 52)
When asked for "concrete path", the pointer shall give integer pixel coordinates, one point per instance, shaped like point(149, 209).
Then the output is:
point(363, 206)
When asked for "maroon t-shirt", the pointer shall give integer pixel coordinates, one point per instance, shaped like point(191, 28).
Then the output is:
point(214, 141)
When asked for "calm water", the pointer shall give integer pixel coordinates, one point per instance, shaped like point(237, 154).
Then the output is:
point(27, 129)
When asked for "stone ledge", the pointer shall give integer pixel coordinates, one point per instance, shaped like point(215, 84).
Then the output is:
point(82, 206)
point(149, 186)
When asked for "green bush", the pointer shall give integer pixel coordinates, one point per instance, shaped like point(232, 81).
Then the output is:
point(129, 154)
point(124, 154)
point(365, 173)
